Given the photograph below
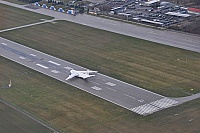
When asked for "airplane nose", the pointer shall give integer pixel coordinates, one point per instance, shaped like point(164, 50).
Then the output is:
point(71, 71)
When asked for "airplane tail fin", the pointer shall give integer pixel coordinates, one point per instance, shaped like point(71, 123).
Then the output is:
point(88, 76)
point(88, 71)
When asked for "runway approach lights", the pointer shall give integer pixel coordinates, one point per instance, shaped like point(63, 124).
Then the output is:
point(10, 84)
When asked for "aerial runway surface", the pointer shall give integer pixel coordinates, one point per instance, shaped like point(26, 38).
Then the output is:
point(168, 37)
point(123, 94)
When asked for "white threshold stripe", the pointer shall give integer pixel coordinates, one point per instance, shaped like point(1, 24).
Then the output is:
point(54, 63)
point(42, 66)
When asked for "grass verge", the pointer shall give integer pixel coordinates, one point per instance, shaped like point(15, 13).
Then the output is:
point(13, 121)
point(12, 17)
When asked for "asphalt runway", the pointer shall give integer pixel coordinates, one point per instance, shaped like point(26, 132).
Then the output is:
point(123, 94)
point(168, 37)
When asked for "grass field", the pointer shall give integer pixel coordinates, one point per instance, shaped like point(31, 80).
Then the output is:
point(12, 17)
point(156, 67)
point(159, 68)
point(11, 121)
point(75, 111)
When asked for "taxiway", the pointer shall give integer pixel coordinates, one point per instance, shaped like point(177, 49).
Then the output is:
point(167, 37)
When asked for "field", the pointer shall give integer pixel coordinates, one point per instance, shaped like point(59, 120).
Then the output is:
point(12, 17)
point(166, 70)
point(75, 111)
point(14, 122)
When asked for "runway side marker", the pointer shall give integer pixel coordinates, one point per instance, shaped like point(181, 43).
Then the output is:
point(94, 82)
point(42, 66)
point(33, 55)
point(4, 43)
point(55, 71)
point(96, 88)
point(111, 89)
point(54, 63)
point(129, 96)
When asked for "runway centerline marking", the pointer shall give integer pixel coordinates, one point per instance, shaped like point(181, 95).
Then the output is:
point(54, 63)
point(96, 88)
point(141, 100)
point(68, 68)
point(111, 89)
point(110, 84)
point(94, 82)
point(21, 57)
point(129, 96)
point(4, 43)
point(42, 66)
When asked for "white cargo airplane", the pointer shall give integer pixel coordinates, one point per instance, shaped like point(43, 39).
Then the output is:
point(80, 74)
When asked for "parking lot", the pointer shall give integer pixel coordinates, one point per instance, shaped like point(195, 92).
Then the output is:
point(161, 14)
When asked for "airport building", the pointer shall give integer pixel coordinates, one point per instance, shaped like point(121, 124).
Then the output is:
point(194, 11)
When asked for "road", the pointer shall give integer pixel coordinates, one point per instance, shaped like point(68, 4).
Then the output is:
point(123, 94)
point(172, 38)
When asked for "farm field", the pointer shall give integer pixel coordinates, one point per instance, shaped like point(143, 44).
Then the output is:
point(74, 111)
point(162, 69)
point(13, 121)
point(12, 17)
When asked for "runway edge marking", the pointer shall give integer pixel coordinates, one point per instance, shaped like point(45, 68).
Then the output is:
point(131, 109)
point(83, 67)
point(71, 85)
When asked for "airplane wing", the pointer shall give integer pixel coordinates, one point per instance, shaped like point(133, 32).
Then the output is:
point(92, 71)
point(81, 74)
point(84, 76)
point(71, 76)
point(88, 72)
